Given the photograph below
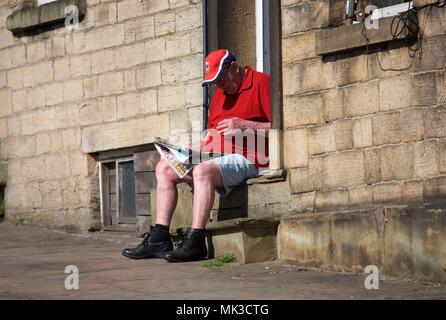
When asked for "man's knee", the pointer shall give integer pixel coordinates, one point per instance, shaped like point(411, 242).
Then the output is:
point(205, 171)
point(163, 170)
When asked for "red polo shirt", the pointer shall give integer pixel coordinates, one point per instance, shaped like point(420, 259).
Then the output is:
point(252, 102)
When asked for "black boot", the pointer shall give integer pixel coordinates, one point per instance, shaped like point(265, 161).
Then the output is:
point(192, 248)
point(156, 244)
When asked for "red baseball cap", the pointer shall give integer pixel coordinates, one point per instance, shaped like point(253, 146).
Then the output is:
point(214, 63)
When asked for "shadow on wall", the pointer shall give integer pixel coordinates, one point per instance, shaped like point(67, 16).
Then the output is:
point(235, 205)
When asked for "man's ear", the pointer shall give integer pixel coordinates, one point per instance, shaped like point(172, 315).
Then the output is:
point(234, 67)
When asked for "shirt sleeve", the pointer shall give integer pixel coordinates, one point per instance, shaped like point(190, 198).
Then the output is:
point(265, 103)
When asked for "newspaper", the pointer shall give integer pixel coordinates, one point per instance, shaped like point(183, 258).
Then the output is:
point(180, 158)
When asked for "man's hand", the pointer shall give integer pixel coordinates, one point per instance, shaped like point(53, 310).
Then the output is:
point(229, 126)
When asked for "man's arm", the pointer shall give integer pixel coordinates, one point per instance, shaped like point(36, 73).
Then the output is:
point(226, 126)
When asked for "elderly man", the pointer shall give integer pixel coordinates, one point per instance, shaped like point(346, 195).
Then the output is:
point(240, 104)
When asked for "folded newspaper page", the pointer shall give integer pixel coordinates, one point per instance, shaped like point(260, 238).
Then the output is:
point(179, 158)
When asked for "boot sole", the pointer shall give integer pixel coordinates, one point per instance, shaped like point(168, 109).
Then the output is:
point(170, 259)
point(155, 255)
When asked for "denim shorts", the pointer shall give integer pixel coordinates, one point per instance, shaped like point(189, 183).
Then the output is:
point(234, 169)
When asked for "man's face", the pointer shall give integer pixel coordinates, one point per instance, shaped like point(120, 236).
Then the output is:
point(230, 79)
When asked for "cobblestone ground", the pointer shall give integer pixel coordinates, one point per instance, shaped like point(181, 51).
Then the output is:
point(33, 261)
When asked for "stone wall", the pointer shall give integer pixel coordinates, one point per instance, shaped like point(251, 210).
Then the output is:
point(355, 135)
point(131, 71)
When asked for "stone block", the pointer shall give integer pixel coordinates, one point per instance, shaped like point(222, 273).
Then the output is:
point(129, 55)
point(189, 18)
point(298, 47)
point(51, 194)
point(311, 79)
point(434, 189)
point(110, 83)
point(164, 23)
point(148, 75)
point(321, 139)
point(33, 169)
point(441, 87)
point(73, 90)
point(130, 80)
point(292, 79)
point(43, 144)
point(176, 45)
point(80, 65)
point(71, 139)
point(194, 94)
point(361, 99)
point(331, 200)
point(360, 196)
point(29, 124)
point(129, 9)
point(434, 122)
point(301, 180)
point(35, 51)
point(171, 98)
point(155, 49)
point(344, 169)
point(333, 104)
point(154, 6)
point(372, 162)
point(57, 166)
point(5, 98)
point(296, 148)
point(362, 132)
point(62, 69)
point(407, 91)
point(19, 100)
point(296, 18)
point(14, 126)
point(387, 193)
point(105, 13)
point(33, 196)
point(127, 105)
point(102, 61)
point(90, 87)
point(114, 135)
point(442, 144)
point(426, 159)
point(344, 134)
point(397, 162)
point(15, 79)
point(412, 124)
point(6, 61)
point(42, 72)
point(36, 97)
point(351, 70)
point(303, 110)
point(3, 128)
point(110, 36)
point(19, 55)
point(413, 191)
point(54, 93)
point(386, 128)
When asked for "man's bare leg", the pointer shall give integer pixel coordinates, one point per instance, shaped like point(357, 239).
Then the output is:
point(206, 177)
point(167, 192)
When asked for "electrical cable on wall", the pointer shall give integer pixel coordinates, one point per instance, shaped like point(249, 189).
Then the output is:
point(407, 23)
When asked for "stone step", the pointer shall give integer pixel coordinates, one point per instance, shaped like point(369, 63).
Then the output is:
point(250, 240)
point(406, 242)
